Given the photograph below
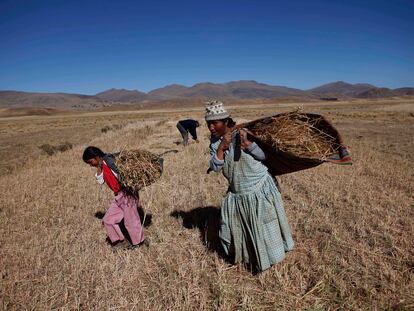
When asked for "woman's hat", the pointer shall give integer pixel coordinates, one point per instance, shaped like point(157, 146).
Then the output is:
point(215, 111)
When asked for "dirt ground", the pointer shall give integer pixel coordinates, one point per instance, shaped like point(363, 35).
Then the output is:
point(353, 226)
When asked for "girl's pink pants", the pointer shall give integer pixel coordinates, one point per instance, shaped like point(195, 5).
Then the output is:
point(123, 207)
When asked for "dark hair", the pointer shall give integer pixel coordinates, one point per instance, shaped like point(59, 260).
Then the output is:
point(92, 152)
point(230, 122)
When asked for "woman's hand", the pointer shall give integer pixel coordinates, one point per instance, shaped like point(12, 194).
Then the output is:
point(224, 145)
point(244, 141)
point(225, 141)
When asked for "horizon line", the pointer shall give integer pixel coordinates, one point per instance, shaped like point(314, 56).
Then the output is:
point(205, 82)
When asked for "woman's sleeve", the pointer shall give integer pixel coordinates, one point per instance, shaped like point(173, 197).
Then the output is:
point(215, 163)
point(256, 152)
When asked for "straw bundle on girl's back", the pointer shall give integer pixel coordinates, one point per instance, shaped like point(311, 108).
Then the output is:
point(138, 169)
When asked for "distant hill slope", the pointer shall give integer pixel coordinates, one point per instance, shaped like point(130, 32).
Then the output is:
point(122, 95)
point(376, 93)
point(28, 111)
point(252, 89)
point(404, 91)
point(54, 100)
point(341, 88)
point(167, 92)
point(239, 89)
point(358, 90)
point(235, 90)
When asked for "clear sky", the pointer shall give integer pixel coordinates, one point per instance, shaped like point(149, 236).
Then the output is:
point(89, 46)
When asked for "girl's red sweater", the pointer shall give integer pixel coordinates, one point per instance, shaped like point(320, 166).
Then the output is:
point(110, 179)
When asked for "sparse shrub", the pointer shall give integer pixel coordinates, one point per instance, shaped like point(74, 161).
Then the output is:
point(160, 123)
point(64, 147)
point(51, 150)
point(147, 130)
point(108, 128)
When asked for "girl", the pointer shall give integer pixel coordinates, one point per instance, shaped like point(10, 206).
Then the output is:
point(253, 227)
point(122, 207)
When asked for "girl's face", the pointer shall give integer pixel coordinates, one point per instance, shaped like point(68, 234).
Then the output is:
point(95, 162)
point(217, 127)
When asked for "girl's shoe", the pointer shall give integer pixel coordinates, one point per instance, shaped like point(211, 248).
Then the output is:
point(143, 243)
point(119, 245)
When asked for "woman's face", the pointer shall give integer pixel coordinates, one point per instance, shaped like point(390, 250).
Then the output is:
point(217, 127)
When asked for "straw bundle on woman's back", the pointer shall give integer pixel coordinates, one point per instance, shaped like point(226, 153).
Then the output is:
point(295, 133)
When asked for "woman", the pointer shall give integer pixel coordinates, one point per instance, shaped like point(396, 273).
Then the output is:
point(254, 228)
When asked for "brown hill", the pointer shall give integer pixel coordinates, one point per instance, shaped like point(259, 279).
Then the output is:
point(376, 93)
point(404, 91)
point(52, 100)
point(29, 111)
point(232, 90)
point(167, 92)
point(253, 89)
point(358, 90)
point(122, 95)
point(341, 89)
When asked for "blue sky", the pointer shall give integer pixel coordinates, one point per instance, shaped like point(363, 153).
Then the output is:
point(89, 46)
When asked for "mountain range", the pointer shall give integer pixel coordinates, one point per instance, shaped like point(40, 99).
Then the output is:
point(235, 90)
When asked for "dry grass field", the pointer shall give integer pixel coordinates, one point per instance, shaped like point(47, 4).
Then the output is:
point(353, 226)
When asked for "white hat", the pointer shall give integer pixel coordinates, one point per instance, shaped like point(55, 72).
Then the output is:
point(215, 111)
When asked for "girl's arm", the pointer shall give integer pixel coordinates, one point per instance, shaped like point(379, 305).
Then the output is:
point(99, 175)
point(99, 178)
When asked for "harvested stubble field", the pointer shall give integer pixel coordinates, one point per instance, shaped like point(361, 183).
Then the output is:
point(353, 226)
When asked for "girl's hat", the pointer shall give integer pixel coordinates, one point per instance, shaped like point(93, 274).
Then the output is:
point(215, 111)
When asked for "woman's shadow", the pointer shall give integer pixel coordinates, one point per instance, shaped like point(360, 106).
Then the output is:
point(207, 220)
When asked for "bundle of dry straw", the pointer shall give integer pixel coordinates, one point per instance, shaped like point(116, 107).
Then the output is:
point(138, 169)
point(295, 133)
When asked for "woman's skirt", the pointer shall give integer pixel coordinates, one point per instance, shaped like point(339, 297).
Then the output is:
point(254, 228)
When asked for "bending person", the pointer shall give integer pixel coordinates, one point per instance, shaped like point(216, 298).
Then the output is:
point(188, 126)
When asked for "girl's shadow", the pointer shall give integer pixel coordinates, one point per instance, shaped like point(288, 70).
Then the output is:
point(207, 220)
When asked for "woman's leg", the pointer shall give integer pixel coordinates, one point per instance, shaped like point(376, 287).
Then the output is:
point(112, 218)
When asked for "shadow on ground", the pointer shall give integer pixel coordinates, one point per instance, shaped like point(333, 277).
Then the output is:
point(168, 151)
point(207, 220)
